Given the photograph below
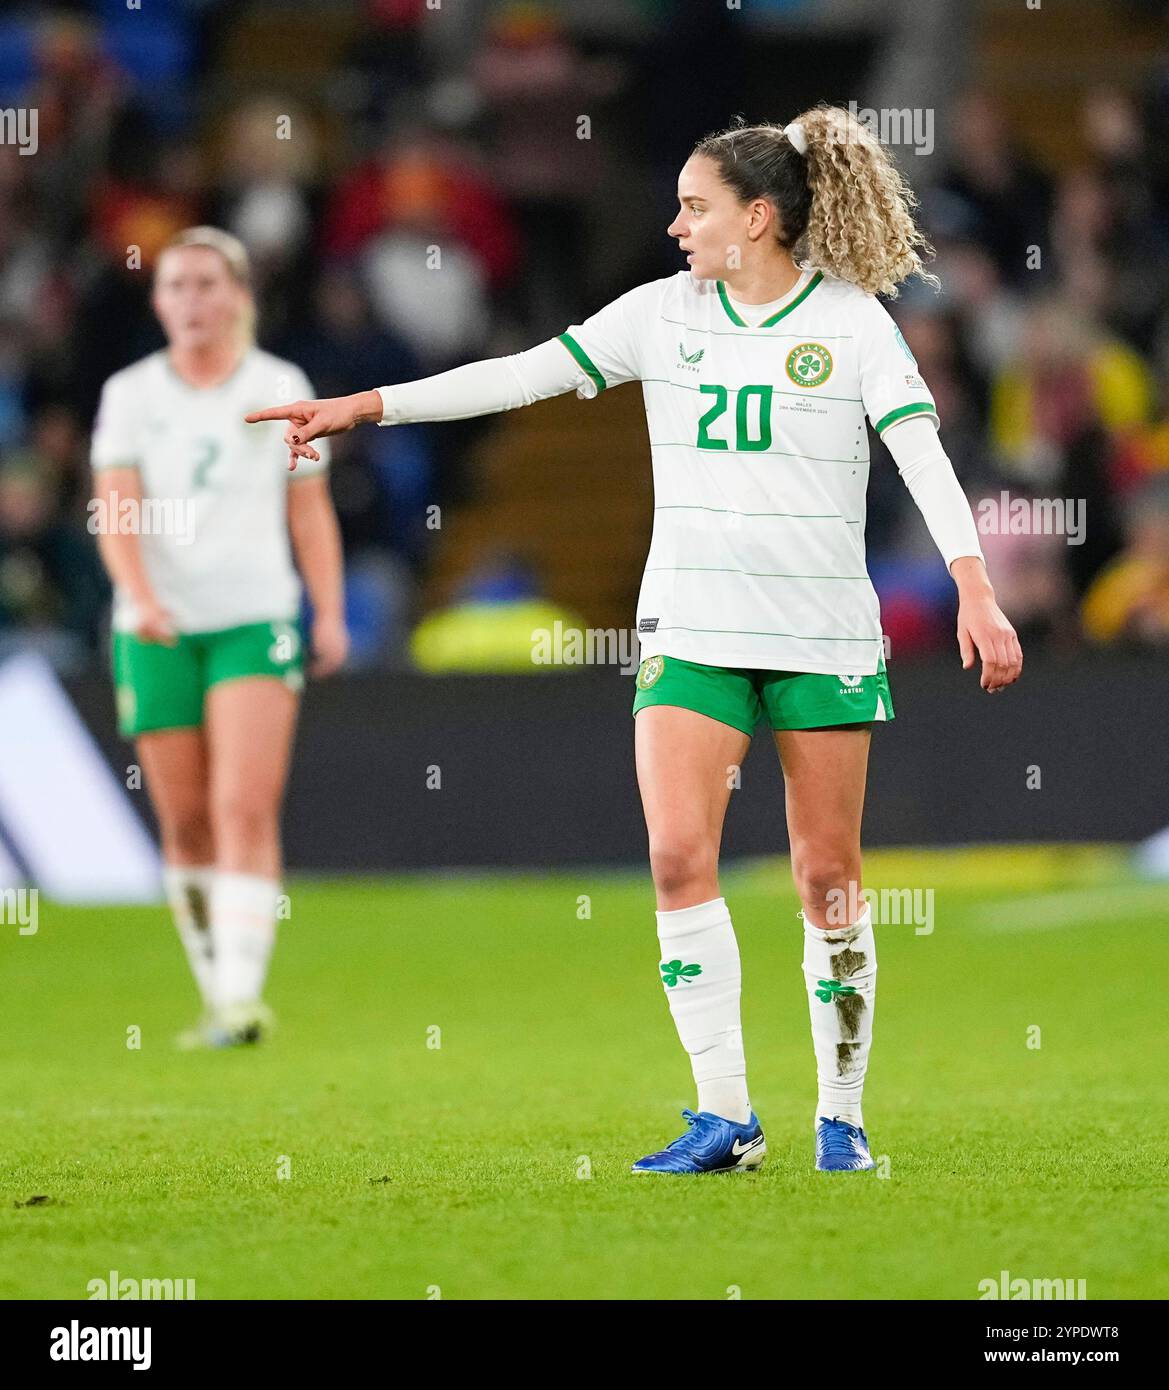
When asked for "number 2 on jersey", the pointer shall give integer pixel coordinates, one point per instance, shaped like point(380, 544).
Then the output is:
point(208, 452)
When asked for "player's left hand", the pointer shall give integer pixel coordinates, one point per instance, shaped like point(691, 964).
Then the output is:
point(309, 420)
point(983, 628)
point(330, 646)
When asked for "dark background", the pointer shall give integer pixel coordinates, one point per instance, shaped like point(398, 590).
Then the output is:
point(538, 772)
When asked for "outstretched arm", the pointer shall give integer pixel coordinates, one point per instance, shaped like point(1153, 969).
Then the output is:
point(982, 625)
point(479, 388)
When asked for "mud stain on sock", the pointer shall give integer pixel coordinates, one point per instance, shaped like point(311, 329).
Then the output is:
point(846, 963)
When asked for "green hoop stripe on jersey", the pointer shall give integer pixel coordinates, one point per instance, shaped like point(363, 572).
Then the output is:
point(918, 408)
point(804, 516)
point(755, 475)
point(743, 333)
point(796, 395)
point(764, 632)
point(774, 453)
point(758, 574)
point(584, 359)
point(160, 687)
point(779, 314)
point(741, 697)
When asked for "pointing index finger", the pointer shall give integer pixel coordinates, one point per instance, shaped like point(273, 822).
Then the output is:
point(274, 412)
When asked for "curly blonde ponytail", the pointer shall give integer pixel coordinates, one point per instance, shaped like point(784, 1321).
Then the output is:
point(843, 205)
point(860, 226)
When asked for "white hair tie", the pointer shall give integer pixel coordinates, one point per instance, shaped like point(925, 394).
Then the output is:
point(798, 137)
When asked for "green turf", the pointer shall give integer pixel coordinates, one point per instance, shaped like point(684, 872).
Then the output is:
point(460, 1167)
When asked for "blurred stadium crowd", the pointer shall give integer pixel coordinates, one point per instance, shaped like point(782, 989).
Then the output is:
point(1047, 350)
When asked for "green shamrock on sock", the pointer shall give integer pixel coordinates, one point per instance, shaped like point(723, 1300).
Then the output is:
point(674, 970)
point(828, 988)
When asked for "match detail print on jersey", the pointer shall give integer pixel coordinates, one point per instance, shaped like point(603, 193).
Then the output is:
point(760, 463)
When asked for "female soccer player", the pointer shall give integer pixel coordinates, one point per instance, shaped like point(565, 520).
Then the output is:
point(758, 366)
point(207, 649)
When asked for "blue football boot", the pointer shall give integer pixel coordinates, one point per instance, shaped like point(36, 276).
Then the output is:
point(710, 1145)
point(841, 1147)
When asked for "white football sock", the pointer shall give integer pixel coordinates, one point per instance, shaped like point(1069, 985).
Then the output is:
point(703, 992)
point(840, 971)
point(188, 891)
point(243, 930)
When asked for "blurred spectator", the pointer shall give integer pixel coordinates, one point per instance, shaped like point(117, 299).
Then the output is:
point(269, 165)
point(1142, 451)
point(1068, 373)
point(422, 205)
point(1112, 260)
point(387, 58)
point(1031, 577)
point(1007, 199)
point(51, 586)
point(543, 98)
point(78, 93)
point(1053, 410)
point(1129, 600)
point(990, 313)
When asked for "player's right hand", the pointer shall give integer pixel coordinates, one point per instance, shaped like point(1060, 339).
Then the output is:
point(155, 624)
point(309, 420)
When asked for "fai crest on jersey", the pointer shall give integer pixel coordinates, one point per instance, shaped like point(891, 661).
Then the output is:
point(810, 364)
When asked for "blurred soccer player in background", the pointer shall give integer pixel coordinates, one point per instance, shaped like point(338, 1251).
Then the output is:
point(202, 525)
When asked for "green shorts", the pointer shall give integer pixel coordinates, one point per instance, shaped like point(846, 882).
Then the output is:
point(163, 687)
point(740, 697)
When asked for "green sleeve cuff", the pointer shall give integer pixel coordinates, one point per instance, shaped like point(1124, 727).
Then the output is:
point(903, 412)
point(583, 360)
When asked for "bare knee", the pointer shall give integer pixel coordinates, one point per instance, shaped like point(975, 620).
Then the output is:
point(186, 836)
point(828, 883)
point(244, 827)
point(685, 870)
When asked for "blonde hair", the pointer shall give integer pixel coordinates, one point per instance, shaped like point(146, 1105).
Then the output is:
point(235, 256)
point(844, 206)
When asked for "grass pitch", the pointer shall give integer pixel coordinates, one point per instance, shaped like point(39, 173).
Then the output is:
point(363, 1154)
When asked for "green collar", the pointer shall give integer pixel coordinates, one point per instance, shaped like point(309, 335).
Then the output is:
point(775, 318)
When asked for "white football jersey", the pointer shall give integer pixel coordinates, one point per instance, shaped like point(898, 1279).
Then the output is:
point(760, 465)
point(214, 527)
